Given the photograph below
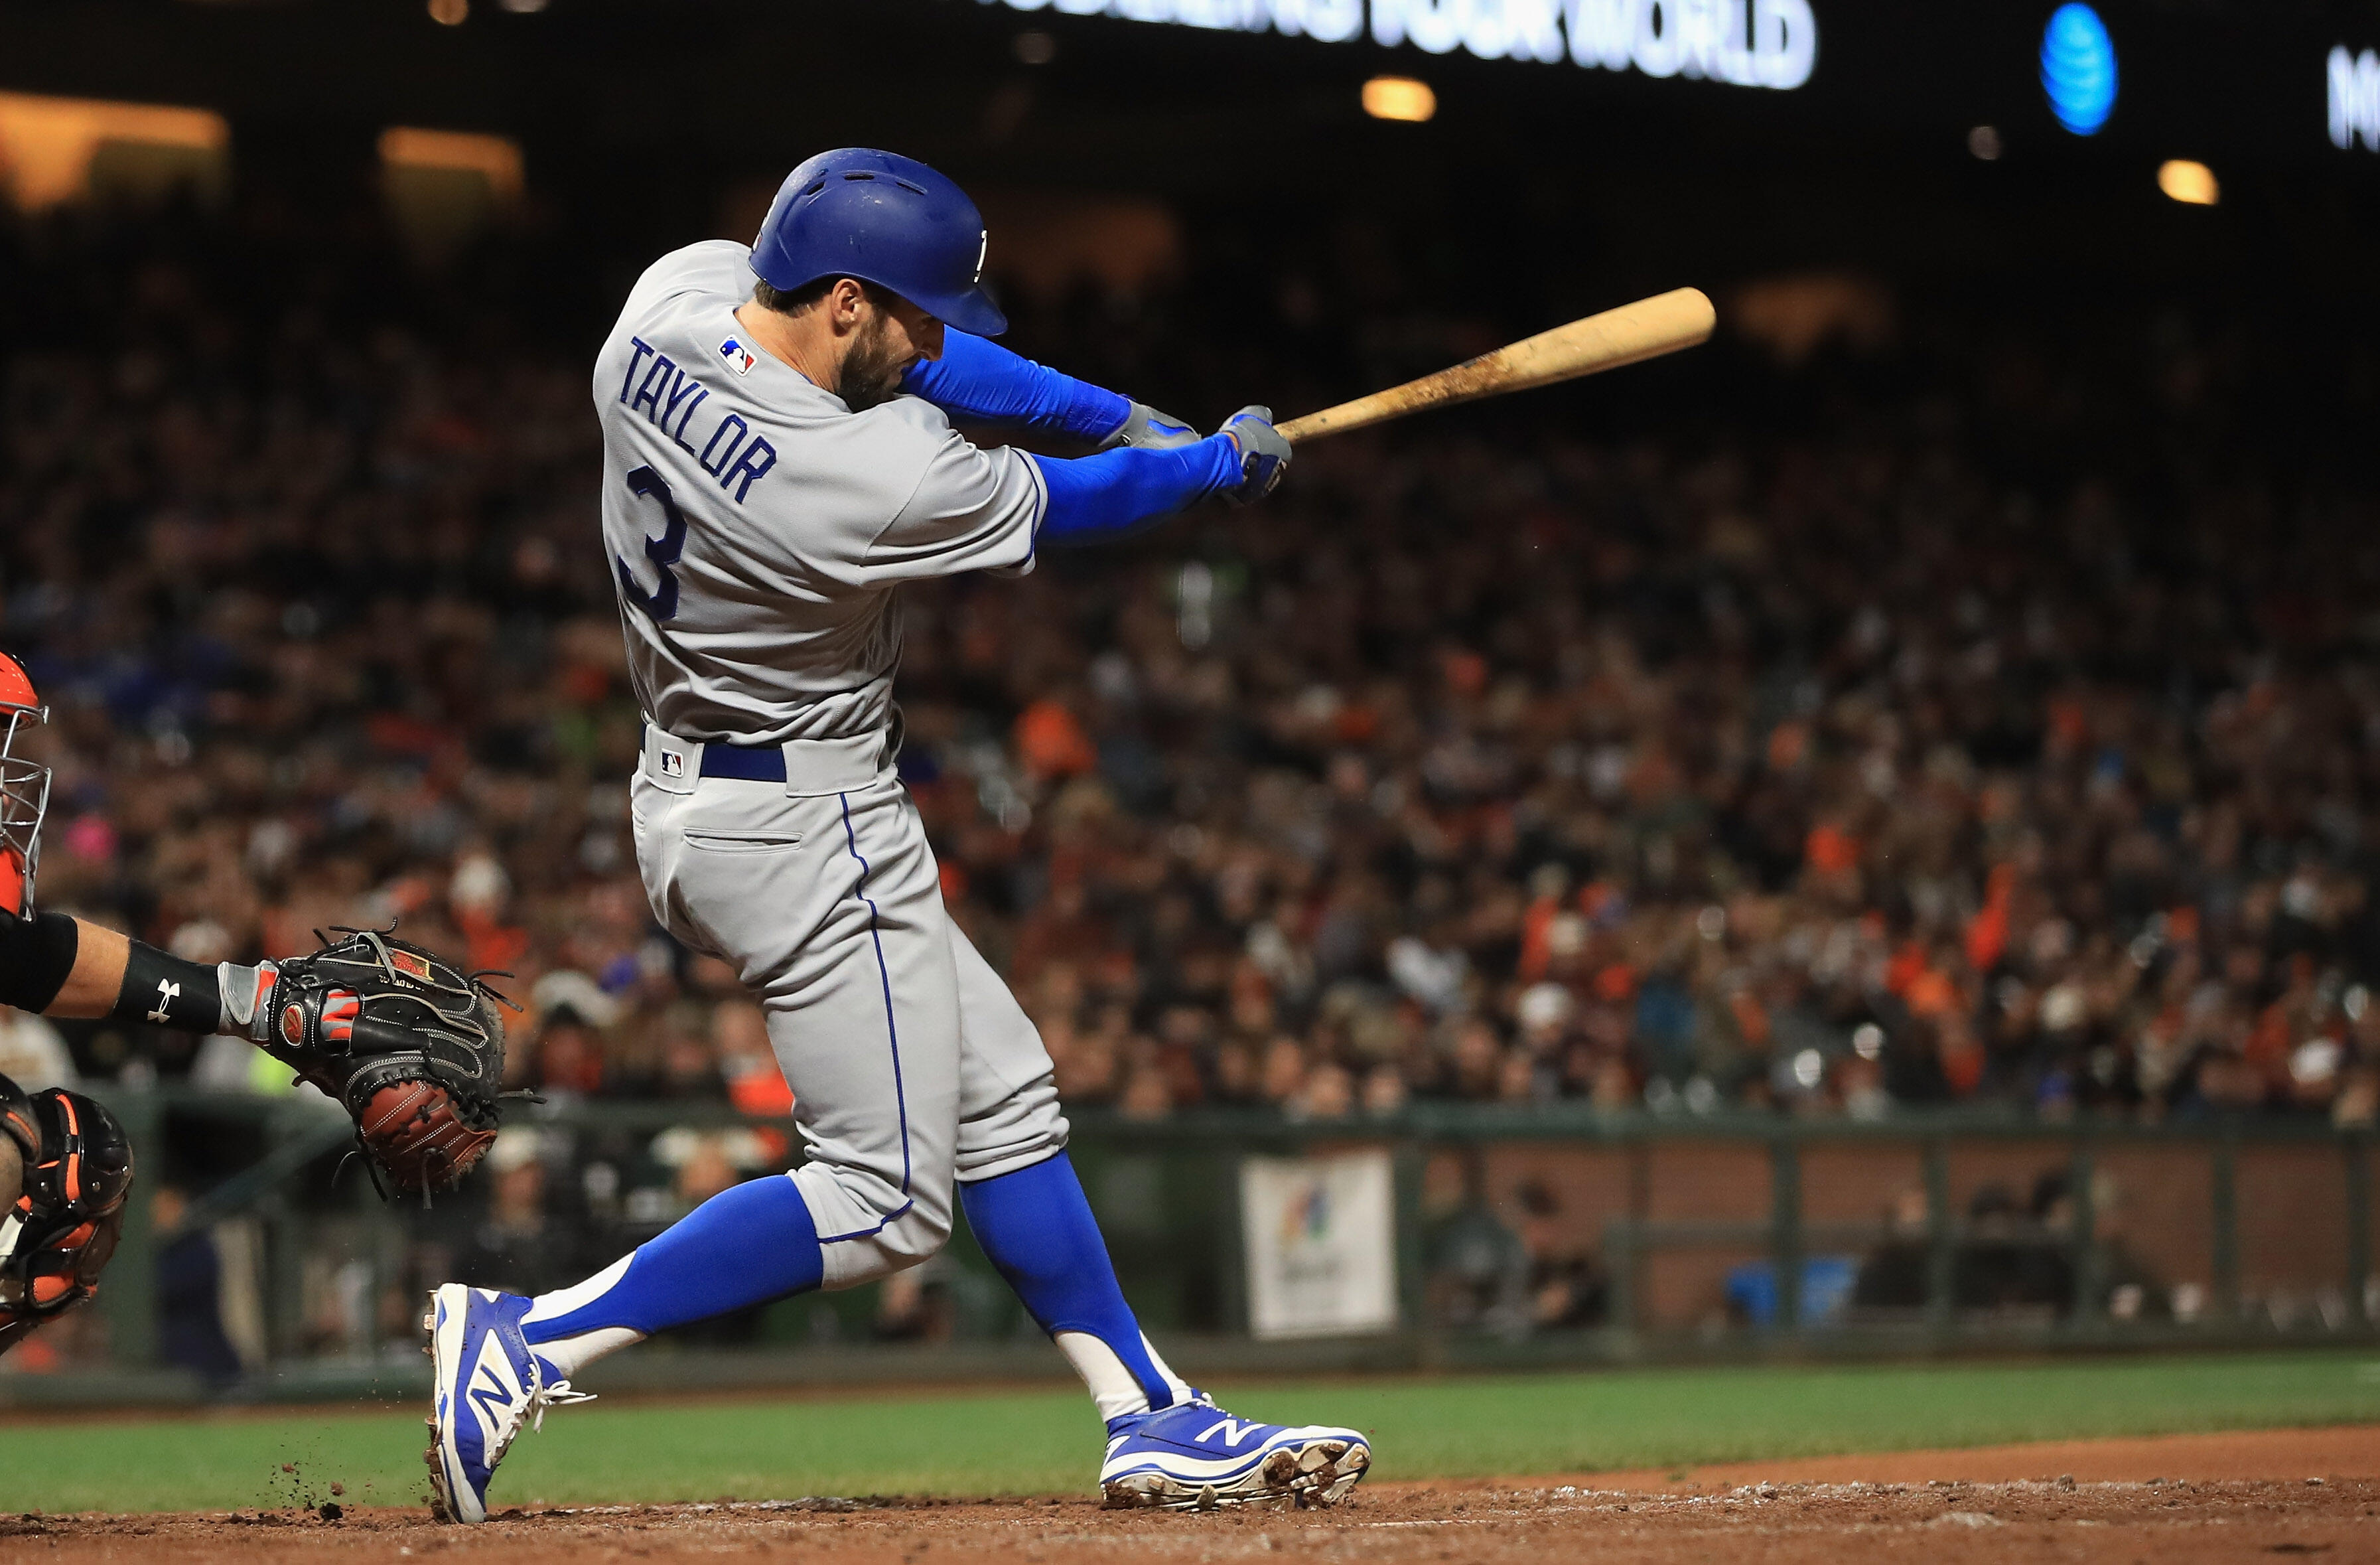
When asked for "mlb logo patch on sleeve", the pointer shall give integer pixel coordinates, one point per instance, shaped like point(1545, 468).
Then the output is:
point(739, 358)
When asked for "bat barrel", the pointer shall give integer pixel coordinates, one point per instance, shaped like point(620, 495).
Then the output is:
point(1628, 334)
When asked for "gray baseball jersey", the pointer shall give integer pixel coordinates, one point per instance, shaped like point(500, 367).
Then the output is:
point(758, 529)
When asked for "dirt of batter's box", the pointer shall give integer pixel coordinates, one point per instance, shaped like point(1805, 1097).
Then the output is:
point(1843, 1519)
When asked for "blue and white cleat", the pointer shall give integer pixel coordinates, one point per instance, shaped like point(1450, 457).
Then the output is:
point(484, 1385)
point(1197, 1457)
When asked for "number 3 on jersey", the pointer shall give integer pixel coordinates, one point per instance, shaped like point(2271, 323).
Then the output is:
point(663, 551)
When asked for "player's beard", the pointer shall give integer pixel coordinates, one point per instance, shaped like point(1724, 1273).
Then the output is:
point(872, 370)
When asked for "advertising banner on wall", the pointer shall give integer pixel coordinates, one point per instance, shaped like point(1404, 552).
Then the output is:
point(2177, 81)
point(1322, 1245)
point(1749, 43)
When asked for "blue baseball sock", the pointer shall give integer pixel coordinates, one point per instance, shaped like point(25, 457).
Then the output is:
point(1037, 1227)
point(746, 1245)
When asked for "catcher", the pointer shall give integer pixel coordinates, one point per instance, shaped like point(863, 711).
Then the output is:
point(412, 1048)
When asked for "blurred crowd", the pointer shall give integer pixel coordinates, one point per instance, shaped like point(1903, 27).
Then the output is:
point(2003, 728)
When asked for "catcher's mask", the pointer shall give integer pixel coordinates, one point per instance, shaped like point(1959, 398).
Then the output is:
point(24, 788)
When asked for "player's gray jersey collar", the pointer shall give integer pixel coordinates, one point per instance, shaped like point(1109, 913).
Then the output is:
point(770, 377)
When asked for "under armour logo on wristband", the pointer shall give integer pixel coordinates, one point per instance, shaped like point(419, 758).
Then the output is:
point(167, 995)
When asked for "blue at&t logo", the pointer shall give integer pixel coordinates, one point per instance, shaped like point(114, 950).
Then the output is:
point(2078, 68)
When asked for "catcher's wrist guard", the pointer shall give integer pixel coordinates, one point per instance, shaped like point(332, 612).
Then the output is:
point(411, 1046)
point(58, 1236)
point(163, 990)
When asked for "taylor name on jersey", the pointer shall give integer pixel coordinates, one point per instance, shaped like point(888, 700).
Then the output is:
point(658, 388)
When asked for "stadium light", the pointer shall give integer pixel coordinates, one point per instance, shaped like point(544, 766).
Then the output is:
point(1399, 97)
point(445, 186)
point(2188, 181)
point(2078, 68)
point(47, 146)
point(493, 158)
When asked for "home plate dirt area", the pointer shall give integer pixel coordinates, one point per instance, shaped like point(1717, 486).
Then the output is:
point(2170, 1501)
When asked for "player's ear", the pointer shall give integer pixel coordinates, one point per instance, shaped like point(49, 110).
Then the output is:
point(846, 299)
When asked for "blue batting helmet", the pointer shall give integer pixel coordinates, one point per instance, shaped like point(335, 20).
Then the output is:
point(884, 219)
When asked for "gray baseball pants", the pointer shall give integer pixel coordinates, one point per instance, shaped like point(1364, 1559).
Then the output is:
point(911, 1064)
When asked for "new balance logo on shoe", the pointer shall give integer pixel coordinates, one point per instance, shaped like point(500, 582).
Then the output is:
point(490, 1398)
point(1233, 1431)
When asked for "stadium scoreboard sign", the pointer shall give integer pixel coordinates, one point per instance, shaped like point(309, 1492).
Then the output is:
point(2355, 98)
point(2234, 77)
point(1771, 43)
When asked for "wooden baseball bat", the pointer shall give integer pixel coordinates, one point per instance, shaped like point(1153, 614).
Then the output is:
point(1646, 329)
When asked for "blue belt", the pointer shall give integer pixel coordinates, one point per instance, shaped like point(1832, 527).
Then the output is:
point(744, 764)
point(766, 763)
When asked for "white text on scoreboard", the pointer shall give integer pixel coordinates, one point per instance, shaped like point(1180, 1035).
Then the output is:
point(1771, 43)
point(2355, 98)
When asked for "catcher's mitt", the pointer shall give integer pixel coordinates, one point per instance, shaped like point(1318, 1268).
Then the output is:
point(413, 1047)
point(53, 1241)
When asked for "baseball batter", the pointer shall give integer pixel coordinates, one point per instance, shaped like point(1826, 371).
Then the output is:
point(777, 460)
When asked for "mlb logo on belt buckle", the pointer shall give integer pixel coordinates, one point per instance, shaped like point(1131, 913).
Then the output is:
point(673, 763)
point(739, 358)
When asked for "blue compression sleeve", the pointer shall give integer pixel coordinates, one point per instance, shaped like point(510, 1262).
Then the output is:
point(1094, 498)
point(748, 1244)
point(982, 381)
point(1037, 1229)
